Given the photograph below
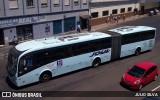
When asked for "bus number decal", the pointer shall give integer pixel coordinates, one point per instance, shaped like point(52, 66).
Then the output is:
point(59, 63)
point(100, 52)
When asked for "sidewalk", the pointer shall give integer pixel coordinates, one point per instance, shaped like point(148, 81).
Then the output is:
point(4, 49)
point(108, 26)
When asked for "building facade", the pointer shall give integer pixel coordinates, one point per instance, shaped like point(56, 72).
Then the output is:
point(147, 5)
point(33, 19)
point(102, 10)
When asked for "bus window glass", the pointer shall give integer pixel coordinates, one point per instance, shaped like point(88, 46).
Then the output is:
point(25, 65)
point(12, 64)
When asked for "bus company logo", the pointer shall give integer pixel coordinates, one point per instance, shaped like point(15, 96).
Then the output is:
point(100, 52)
point(59, 63)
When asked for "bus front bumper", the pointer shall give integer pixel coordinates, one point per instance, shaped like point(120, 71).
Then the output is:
point(12, 80)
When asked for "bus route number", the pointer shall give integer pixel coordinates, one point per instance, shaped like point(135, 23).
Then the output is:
point(59, 63)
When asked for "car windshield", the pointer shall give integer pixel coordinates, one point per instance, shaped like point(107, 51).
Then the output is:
point(136, 72)
point(12, 64)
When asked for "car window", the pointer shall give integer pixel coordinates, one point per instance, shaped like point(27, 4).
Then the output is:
point(136, 72)
point(150, 70)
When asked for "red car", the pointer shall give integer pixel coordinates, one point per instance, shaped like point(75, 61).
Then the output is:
point(140, 74)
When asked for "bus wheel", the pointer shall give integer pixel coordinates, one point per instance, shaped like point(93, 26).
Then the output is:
point(138, 51)
point(46, 76)
point(96, 62)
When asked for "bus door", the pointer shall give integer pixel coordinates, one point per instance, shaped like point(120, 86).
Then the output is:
point(26, 72)
point(116, 47)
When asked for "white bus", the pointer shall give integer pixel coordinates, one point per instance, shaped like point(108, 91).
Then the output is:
point(41, 59)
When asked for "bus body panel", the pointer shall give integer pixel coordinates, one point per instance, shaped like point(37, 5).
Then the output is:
point(28, 78)
point(129, 49)
point(62, 66)
point(107, 47)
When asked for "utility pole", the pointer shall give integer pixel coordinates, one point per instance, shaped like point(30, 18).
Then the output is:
point(89, 20)
point(135, 9)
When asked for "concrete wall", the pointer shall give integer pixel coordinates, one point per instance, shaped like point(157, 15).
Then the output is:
point(13, 11)
point(107, 0)
point(100, 10)
point(37, 8)
point(44, 9)
point(103, 19)
point(68, 7)
point(150, 5)
point(2, 9)
point(84, 6)
point(145, 1)
point(39, 30)
point(31, 10)
point(9, 33)
point(57, 8)
point(76, 7)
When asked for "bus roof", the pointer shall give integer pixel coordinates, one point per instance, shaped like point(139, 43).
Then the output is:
point(131, 29)
point(59, 41)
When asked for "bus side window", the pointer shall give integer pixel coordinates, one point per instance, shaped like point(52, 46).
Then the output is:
point(28, 63)
point(25, 65)
point(22, 64)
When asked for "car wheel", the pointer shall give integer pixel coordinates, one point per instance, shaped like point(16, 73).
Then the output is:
point(140, 87)
point(155, 78)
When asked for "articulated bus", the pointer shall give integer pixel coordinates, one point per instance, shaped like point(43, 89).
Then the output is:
point(42, 59)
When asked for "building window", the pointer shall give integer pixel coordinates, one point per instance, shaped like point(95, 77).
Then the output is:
point(105, 13)
point(84, 2)
point(129, 9)
point(24, 32)
point(13, 4)
point(114, 11)
point(44, 3)
point(56, 3)
point(122, 10)
point(76, 2)
point(66, 2)
point(29, 3)
point(94, 15)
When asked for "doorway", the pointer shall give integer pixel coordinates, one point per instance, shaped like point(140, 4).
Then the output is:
point(69, 23)
point(84, 23)
point(57, 26)
point(142, 9)
point(1, 37)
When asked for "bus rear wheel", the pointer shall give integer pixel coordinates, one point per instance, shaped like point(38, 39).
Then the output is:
point(46, 76)
point(138, 51)
point(96, 62)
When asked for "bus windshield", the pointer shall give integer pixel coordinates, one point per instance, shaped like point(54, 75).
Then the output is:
point(12, 64)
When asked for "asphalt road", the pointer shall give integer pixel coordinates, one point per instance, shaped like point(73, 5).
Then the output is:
point(103, 78)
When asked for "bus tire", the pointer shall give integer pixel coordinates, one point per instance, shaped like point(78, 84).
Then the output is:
point(96, 62)
point(138, 51)
point(45, 76)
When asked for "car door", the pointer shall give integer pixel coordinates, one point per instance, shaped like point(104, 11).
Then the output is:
point(153, 73)
point(147, 76)
point(150, 74)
